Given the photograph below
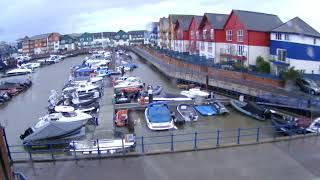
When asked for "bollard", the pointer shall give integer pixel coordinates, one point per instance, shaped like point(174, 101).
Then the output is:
point(238, 137)
point(97, 121)
point(142, 145)
point(98, 148)
point(258, 134)
point(195, 140)
point(218, 138)
point(172, 142)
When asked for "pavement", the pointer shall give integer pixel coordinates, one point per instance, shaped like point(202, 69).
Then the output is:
point(295, 160)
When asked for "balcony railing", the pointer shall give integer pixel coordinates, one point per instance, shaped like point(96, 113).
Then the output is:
point(275, 60)
point(233, 54)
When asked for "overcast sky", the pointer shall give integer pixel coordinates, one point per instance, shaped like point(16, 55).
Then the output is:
point(30, 17)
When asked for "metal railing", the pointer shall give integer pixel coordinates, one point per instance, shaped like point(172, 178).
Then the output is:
point(170, 141)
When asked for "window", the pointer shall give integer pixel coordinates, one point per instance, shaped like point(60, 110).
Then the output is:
point(229, 35)
point(210, 47)
point(63, 41)
point(314, 41)
point(286, 37)
point(198, 35)
point(240, 35)
point(191, 35)
point(81, 39)
point(281, 54)
point(202, 46)
point(211, 34)
point(204, 34)
point(278, 36)
point(240, 50)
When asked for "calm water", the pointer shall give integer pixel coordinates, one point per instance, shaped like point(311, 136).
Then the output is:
point(25, 109)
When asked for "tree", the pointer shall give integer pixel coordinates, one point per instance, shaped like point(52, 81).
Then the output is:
point(262, 65)
point(290, 74)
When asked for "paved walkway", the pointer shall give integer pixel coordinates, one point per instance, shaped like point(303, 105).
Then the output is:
point(292, 160)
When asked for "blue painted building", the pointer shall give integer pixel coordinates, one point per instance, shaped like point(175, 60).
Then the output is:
point(295, 44)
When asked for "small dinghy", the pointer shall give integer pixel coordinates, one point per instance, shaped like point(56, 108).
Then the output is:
point(250, 109)
point(158, 116)
point(111, 146)
point(206, 110)
point(195, 92)
point(121, 118)
point(156, 90)
point(187, 112)
point(222, 110)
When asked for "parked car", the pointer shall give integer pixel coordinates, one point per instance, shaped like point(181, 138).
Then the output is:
point(308, 85)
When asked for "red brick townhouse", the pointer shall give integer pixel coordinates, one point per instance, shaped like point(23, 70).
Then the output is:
point(211, 35)
point(193, 32)
point(181, 34)
point(247, 36)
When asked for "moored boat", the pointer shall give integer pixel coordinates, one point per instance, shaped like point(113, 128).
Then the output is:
point(206, 110)
point(187, 112)
point(250, 109)
point(158, 116)
point(121, 118)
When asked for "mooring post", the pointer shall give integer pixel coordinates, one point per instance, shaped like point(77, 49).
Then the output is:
point(172, 149)
point(258, 134)
point(238, 137)
point(142, 145)
point(218, 138)
point(195, 140)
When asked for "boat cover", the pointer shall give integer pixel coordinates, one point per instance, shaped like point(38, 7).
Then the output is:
point(158, 113)
point(206, 110)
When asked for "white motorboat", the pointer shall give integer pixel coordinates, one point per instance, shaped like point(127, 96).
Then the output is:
point(93, 62)
point(195, 92)
point(158, 116)
point(120, 79)
point(31, 65)
point(187, 112)
point(130, 82)
point(83, 87)
point(104, 145)
point(19, 71)
point(315, 126)
point(64, 122)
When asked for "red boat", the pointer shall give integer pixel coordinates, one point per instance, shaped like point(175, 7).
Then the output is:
point(131, 90)
point(121, 118)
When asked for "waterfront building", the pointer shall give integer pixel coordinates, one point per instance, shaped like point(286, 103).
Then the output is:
point(67, 43)
point(295, 44)
point(85, 40)
point(172, 19)
point(137, 37)
point(181, 34)
point(247, 36)
point(121, 38)
point(153, 34)
point(193, 31)
point(164, 33)
point(210, 35)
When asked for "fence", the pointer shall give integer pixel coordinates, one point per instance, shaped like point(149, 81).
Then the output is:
point(167, 142)
point(191, 75)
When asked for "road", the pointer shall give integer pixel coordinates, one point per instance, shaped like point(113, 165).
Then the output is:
point(294, 160)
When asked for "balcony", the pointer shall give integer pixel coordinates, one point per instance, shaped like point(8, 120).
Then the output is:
point(242, 56)
point(274, 59)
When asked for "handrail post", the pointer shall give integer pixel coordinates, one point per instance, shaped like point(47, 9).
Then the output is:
point(74, 151)
point(172, 149)
point(218, 138)
point(195, 140)
point(52, 155)
point(98, 148)
point(238, 136)
point(30, 154)
point(142, 145)
point(123, 151)
point(258, 134)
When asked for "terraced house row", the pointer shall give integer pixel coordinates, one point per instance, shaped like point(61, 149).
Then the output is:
point(55, 42)
point(242, 36)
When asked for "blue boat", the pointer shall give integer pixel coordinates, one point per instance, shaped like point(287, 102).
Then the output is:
point(158, 116)
point(206, 110)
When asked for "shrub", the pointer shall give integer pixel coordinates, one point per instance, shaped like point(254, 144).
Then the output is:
point(262, 65)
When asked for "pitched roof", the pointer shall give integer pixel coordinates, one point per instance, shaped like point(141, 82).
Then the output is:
point(174, 17)
point(108, 34)
point(197, 19)
point(258, 21)
point(138, 32)
point(297, 26)
point(184, 22)
point(40, 36)
point(217, 20)
point(74, 35)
